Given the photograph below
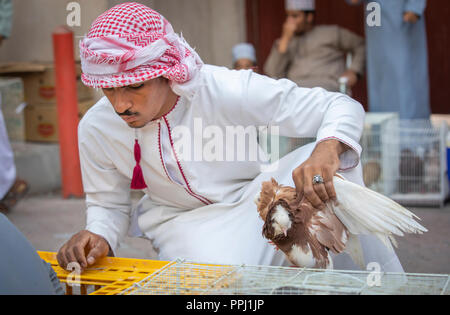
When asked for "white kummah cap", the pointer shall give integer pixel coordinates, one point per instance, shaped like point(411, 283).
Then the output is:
point(244, 50)
point(300, 5)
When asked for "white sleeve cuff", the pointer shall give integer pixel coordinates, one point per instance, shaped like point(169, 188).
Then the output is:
point(108, 223)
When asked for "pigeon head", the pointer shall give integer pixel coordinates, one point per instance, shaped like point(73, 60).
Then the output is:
point(280, 220)
point(274, 202)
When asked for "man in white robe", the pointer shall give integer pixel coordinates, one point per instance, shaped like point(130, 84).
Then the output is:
point(7, 167)
point(11, 188)
point(198, 203)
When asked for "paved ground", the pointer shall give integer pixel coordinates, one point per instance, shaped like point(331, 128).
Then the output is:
point(48, 221)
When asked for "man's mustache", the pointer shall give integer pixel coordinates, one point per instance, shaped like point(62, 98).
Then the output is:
point(126, 113)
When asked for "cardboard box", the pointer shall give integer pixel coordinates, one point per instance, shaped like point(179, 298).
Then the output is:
point(41, 123)
point(39, 81)
point(42, 120)
point(11, 106)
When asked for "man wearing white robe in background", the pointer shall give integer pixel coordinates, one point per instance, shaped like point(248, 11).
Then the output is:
point(7, 167)
point(198, 204)
point(11, 188)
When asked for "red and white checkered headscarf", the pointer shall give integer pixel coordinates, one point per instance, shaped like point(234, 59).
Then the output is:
point(131, 43)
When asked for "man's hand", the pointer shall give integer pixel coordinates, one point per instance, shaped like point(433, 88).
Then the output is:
point(84, 248)
point(352, 78)
point(289, 28)
point(410, 17)
point(324, 161)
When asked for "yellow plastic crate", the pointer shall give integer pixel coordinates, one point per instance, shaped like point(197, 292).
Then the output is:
point(138, 276)
point(109, 276)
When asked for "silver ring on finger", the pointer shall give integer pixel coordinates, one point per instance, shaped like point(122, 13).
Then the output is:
point(317, 179)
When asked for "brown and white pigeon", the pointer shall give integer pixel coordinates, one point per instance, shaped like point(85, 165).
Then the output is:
point(307, 235)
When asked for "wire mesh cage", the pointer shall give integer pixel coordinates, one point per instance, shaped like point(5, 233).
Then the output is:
point(378, 165)
point(405, 160)
point(182, 277)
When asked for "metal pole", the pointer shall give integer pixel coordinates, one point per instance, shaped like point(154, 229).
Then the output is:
point(67, 105)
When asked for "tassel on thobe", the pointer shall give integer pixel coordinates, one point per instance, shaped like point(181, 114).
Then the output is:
point(137, 182)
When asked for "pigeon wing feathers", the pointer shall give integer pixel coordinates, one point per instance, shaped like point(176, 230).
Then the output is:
point(354, 249)
point(364, 211)
point(377, 206)
point(326, 228)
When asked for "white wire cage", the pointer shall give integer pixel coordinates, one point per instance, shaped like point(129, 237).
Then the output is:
point(188, 278)
point(405, 160)
point(376, 161)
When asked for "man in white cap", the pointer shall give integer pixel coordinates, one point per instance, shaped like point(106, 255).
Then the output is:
point(158, 91)
point(244, 56)
point(314, 55)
